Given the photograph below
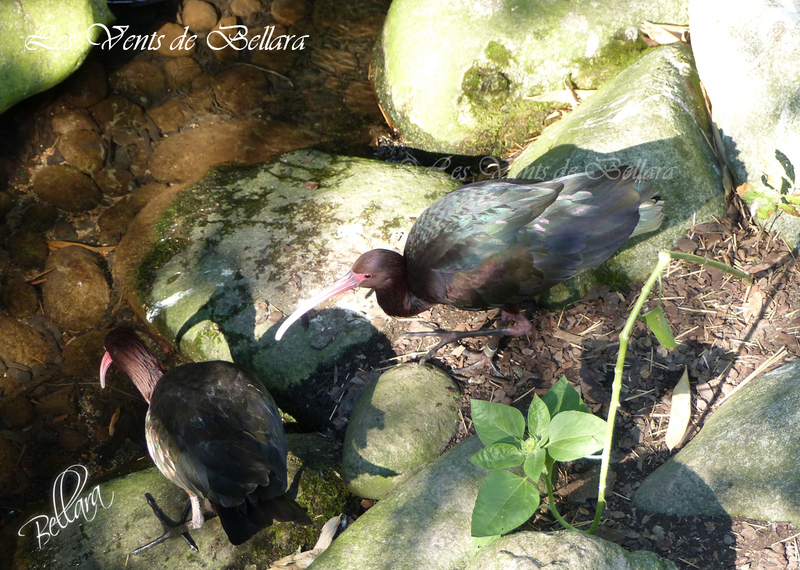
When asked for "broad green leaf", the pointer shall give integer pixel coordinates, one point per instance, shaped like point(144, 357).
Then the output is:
point(680, 411)
point(497, 423)
point(498, 456)
point(538, 420)
point(574, 435)
point(658, 324)
point(504, 502)
point(562, 397)
point(478, 542)
point(534, 465)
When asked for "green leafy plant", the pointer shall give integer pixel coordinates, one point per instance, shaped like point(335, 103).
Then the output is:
point(775, 195)
point(559, 428)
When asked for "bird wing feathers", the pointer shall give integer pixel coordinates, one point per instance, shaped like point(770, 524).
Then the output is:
point(214, 430)
point(502, 242)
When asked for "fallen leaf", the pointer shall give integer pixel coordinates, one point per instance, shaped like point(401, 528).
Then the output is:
point(665, 34)
point(755, 301)
point(58, 244)
point(680, 412)
point(301, 560)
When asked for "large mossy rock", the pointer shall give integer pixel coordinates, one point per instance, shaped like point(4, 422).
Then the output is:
point(454, 75)
point(424, 523)
point(650, 116)
point(744, 460)
point(210, 266)
point(42, 42)
point(124, 521)
point(760, 40)
point(400, 423)
point(562, 551)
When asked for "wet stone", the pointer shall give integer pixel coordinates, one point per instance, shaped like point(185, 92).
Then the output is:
point(114, 181)
point(169, 117)
point(28, 249)
point(246, 9)
point(241, 90)
point(6, 203)
point(199, 16)
point(76, 293)
point(174, 41)
point(87, 86)
point(181, 71)
point(66, 188)
point(18, 413)
point(139, 80)
point(288, 12)
point(58, 403)
point(39, 216)
point(72, 120)
point(117, 111)
point(220, 40)
point(20, 299)
point(83, 150)
point(21, 343)
point(82, 355)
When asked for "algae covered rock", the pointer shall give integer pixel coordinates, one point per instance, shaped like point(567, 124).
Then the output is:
point(650, 116)
point(458, 75)
point(42, 42)
point(214, 265)
point(401, 422)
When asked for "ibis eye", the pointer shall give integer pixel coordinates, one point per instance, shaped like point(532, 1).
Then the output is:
point(368, 276)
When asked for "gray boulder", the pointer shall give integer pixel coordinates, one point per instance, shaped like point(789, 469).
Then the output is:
point(562, 551)
point(424, 523)
point(650, 116)
point(744, 460)
point(760, 41)
point(454, 75)
point(401, 422)
point(213, 265)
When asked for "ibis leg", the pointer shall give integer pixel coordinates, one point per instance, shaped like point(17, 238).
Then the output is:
point(174, 529)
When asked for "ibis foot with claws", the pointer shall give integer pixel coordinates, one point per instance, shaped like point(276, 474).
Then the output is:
point(521, 326)
point(173, 529)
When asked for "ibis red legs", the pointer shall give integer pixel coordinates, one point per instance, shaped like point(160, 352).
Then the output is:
point(500, 243)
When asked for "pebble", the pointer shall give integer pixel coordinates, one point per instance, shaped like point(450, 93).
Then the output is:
point(72, 120)
point(246, 9)
point(288, 12)
point(199, 16)
point(20, 299)
point(39, 216)
point(181, 71)
point(76, 293)
point(114, 181)
point(66, 188)
point(175, 41)
point(21, 374)
point(139, 80)
point(87, 86)
point(28, 249)
point(222, 48)
point(118, 112)
point(241, 90)
point(83, 150)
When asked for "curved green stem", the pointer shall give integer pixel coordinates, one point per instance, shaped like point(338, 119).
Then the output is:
point(624, 336)
point(711, 263)
point(552, 505)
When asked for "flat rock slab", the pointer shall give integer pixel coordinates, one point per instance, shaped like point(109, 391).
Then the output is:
point(650, 116)
point(744, 460)
point(562, 551)
point(401, 422)
point(424, 523)
point(124, 521)
point(213, 265)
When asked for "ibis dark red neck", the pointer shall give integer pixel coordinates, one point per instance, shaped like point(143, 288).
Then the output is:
point(395, 298)
point(133, 357)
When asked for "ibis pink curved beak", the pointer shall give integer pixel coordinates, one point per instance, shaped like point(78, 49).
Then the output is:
point(104, 364)
point(349, 281)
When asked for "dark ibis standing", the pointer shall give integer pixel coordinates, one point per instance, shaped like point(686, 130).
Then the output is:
point(499, 243)
point(213, 430)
